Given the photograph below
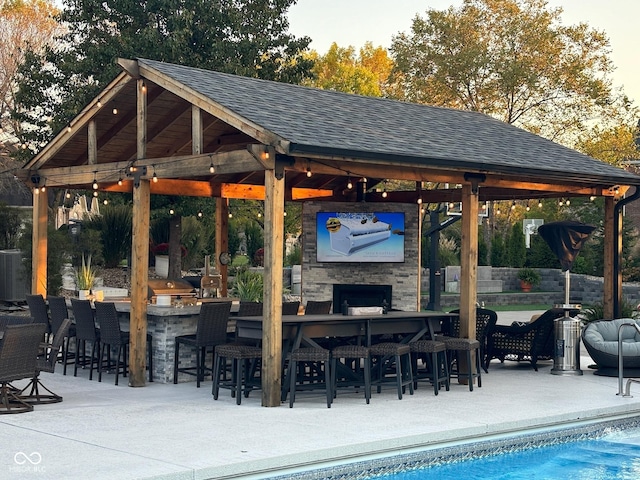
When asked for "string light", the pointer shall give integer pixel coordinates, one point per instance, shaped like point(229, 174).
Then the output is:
point(115, 110)
point(44, 186)
point(592, 198)
point(384, 193)
point(527, 208)
point(105, 201)
point(200, 214)
point(95, 194)
point(69, 127)
point(230, 215)
point(513, 205)
point(155, 177)
point(309, 172)
point(419, 200)
point(67, 194)
point(349, 184)
point(211, 167)
point(171, 211)
point(120, 179)
point(95, 181)
point(99, 104)
point(568, 202)
point(144, 87)
point(539, 203)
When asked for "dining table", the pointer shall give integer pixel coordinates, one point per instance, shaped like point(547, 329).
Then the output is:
point(302, 330)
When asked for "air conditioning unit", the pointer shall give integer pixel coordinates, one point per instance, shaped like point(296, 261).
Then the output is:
point(12, 281)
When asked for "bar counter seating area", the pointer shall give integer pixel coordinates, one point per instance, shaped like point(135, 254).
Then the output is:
point(220, 339)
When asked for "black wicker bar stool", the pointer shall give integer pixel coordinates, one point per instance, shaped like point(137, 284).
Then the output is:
point(436, 357)
point(389, 355)
point(243, 359)
point(357, 354)
point(467, 345)
point(298, 360)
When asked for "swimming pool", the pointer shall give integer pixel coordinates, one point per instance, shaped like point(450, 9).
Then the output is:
point(597, 451)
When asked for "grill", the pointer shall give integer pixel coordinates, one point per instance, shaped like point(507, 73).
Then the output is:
point(167, 286)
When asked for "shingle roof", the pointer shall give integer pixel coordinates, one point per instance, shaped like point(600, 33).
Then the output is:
point(318, 121)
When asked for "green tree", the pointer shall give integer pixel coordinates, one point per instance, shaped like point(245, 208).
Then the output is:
point(244, 37)
point(10, 225)
point(516, 249)
point(512, 59)
point(342, 70)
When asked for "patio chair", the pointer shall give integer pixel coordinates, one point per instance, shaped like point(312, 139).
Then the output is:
point(485, 323)
point(14, 320)
point(112, 337)
point(314, 307)
point(38, 310)
point(46, 364)
point(530, 341)
point(18, 356)
point(600, 338)
point(211, 330)
point(290, 308)
point(58, 313)
point(250, 309)
point(86, 331)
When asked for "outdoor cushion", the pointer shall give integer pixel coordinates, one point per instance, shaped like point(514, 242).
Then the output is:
point(600, 338)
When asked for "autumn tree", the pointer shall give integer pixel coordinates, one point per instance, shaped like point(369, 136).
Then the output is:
point(24, 24)
point(511, 59)
point(342, 70)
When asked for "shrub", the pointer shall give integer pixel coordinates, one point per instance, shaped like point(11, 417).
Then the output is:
point(248, 286)
point(116, 234)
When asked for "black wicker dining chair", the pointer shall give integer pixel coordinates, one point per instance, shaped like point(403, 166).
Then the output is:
point(211, 330)
point(86, 331)
point(46, 364)
point(18, 355)
point(250, 309)
point(112, 337)
point(290, 308)
point(58, 313)
point(39, 311)
point(317, 307)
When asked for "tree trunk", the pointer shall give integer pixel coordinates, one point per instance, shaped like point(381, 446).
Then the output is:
point(175, 252)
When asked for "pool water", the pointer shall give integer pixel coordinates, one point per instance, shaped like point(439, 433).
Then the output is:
point(613, 456)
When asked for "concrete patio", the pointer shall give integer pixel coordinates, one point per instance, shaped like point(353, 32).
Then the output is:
point(166, 431)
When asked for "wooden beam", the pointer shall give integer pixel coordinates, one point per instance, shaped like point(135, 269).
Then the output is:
point(610, 244)
point(468, 270)
point(237, 161)
point(39, 244)
point(222, 239)
point(139, 258)
point(92, 143)
point(272, 316)
point(196, 130)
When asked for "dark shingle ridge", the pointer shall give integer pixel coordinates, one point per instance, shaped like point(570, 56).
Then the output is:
point(325, 121)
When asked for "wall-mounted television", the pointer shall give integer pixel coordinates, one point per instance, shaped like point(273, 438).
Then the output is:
point(360, 237)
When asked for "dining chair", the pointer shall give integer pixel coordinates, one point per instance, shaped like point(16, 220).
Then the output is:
point(59, 312)
point(38, 310)
point(86, 331)
point(46, 364)
point(315, 307)
point(211, 330)
point(250, 309)
point(113, 338)
point(290, 308)
point(18, 355)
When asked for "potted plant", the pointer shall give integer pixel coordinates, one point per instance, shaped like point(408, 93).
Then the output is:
point(85, 278)
point(529, 278)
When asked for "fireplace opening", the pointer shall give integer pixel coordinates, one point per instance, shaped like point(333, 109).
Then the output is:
point(361, 296)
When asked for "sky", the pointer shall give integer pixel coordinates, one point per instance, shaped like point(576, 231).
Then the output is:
point(354, 22)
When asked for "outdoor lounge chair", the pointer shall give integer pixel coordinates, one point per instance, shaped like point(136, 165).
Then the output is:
point(600, 338)
point(530, 341)
point(46, 364)
point(18, 355)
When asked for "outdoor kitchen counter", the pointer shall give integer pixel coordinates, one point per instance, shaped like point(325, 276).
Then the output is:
point(165, 324)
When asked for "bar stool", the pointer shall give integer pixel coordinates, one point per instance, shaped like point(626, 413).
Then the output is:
point(241, 357)
point(436, 356)
point(466, 345)
point(355, 353)
point(389, 354)
point(300, 357)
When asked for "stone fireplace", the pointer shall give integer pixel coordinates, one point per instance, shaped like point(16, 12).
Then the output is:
point(360, 295)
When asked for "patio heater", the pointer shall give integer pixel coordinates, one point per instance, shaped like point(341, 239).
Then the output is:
point(566, 238)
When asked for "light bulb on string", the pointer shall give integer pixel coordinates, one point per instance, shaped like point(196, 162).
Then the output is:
point(200, 214)
point(95, 194)
point(155, 177)
point(95, 181)
point(349, 184)
point(171, 211)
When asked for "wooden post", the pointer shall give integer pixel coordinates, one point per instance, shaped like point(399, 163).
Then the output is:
point(39, 243)
point(419, 276)
point(468, 270)
point(272, 311)
point(139, 257)
point(610, 244)
point(92, 143)
point(222, 239)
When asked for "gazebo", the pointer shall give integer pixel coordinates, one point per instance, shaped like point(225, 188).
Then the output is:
point(216, 135)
